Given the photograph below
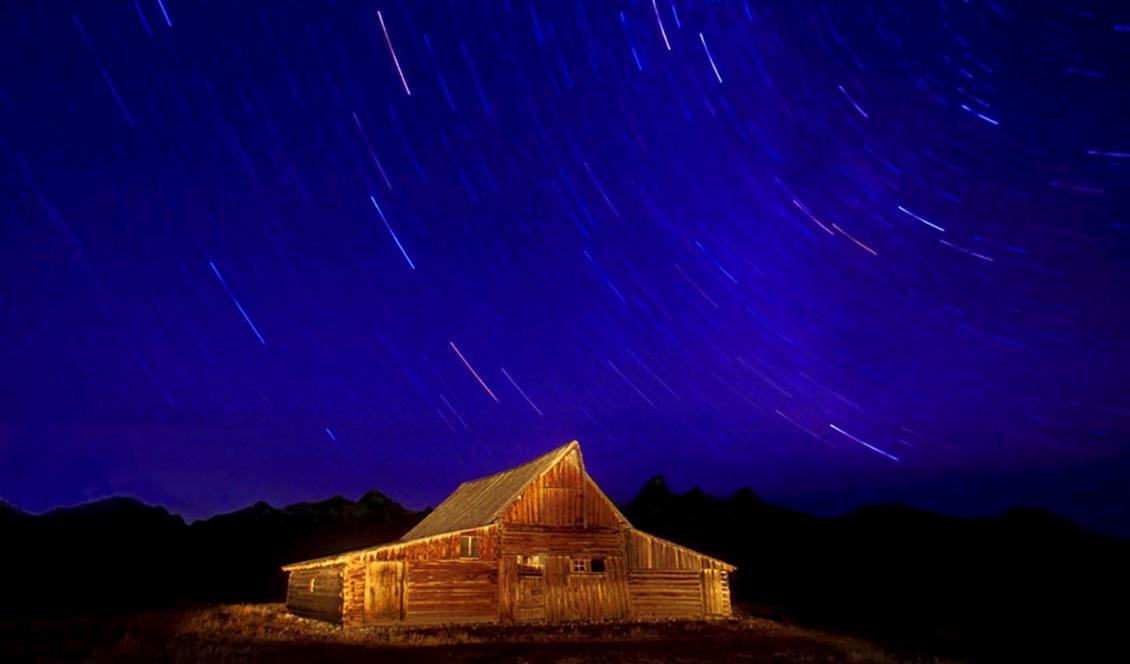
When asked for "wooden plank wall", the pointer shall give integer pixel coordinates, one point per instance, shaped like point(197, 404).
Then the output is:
point(444, 547)
point(727, 607)
point(451, 591)
point(666, 593)
point(564, 496)
point(585, 596)
point(712, 592)
point(599, 510)
point(353, 591)
point(325, 602)
point(531, 539)
point(554, 499)
point(648, 552)
point(663, 571)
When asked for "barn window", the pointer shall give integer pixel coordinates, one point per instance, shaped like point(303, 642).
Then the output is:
point(468, 546)
point(597, 566)
point(530, 565)
point(579, 566)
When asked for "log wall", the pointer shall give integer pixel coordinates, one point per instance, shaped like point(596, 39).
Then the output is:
point(439, 548)
point(451, 591)
point(666, 593)
point(667, 580)
point(316, 593)
point(727, 606)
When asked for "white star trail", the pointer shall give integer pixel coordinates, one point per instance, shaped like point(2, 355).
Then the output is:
point(473, 372)
point(521, 391)
point(392, 233)
point(242, 311)
point(914, 216)
point(395, 60)
point(659, 20)
point(865, 444)
point(710, 57)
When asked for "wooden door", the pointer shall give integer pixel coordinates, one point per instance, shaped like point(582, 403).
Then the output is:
point(712, 600)
point(384, 591)
point(530, 604)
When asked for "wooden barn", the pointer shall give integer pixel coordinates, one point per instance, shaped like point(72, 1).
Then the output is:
point(540, 542)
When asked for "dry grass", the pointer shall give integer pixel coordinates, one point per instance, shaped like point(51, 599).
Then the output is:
point(266, 632)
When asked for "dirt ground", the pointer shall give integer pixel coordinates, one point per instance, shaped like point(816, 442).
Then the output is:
point(267, 633)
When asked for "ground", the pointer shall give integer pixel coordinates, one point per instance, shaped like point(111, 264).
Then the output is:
point(267, 633)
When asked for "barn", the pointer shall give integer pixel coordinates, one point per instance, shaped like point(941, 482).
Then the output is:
point(540, 542)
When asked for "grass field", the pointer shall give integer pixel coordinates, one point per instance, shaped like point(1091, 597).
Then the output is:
point(267, 633)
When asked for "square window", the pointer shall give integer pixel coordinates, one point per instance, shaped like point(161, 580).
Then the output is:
point(597, 566)
point(579, 566)
point(468, 546)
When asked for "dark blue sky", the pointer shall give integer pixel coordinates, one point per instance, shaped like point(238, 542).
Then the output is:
point(833, 251)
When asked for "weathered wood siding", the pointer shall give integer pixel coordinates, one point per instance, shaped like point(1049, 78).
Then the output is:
point(727, 606)
point(650, 552)
point(554, 499)
point(667, 580)
point(521, 590)
point(532, 539)
point(564, 496)
point(316, 593)
point(384, 590)
point(666, 593)
point(586, 596)
point(556, 592)
point(599, 510)
point(440, 548)
point(451, 591)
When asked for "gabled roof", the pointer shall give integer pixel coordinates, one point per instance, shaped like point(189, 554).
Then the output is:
point(479, 502)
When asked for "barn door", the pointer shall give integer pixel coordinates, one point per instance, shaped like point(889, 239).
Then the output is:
point(384, 591)
point(712, 600)
point(529, 588)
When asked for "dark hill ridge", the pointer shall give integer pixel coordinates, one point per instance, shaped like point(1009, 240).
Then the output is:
point(119, 553)
point(10, 513)
point(1026, 582)
point(946, 583)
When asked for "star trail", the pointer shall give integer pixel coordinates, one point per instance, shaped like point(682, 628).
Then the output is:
point(708, 239)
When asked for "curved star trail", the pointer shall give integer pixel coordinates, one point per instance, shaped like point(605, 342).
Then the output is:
point(708, 239)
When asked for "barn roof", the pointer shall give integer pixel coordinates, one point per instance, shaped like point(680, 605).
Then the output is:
point(473, 504)
point(479, 502)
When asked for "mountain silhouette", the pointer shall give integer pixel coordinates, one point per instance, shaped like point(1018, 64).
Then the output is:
point(993, 586)
point(903, 575)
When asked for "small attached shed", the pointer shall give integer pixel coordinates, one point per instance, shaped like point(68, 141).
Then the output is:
point(540, 542)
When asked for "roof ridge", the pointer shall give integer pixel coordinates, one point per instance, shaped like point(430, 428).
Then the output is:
point(519, 466)
point(557, 454)
point(479, 502)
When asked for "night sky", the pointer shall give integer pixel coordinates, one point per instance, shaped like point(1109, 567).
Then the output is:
point(834, 251)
